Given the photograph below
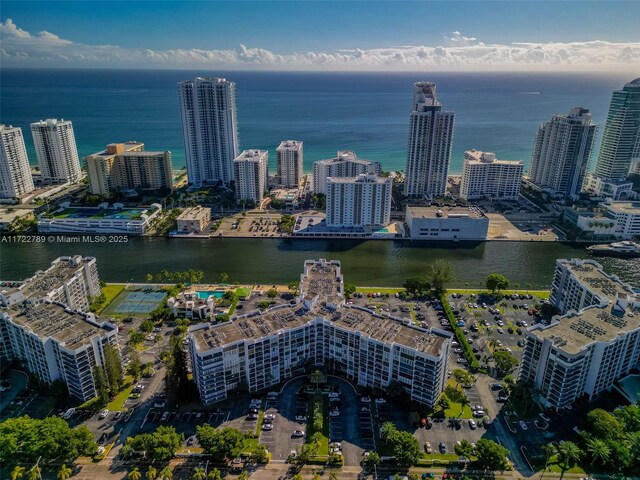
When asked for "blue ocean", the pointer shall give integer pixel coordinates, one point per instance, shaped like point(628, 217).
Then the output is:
point(364, 112)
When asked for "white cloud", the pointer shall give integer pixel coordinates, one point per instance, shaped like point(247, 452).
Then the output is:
point(457, 52)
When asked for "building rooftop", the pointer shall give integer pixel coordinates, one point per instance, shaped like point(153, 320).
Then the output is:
point(575, 331)
point(54, 320)
point(345, 156)
point(250, 155)
point(290, 145)
point(476, 157)
point(193, 212)
point(61, 271)
point(623, 207)
point(445, 212)
point(321, 280)
point(593, 277)
point(363, 178)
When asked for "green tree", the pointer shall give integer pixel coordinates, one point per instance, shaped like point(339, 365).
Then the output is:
point(177, 383)
point(549, 450)
point(443, 402)
point(264, 304)
point(386, 430)
point(294, 287)
point(243, 476)
point(64, 472)
point(464, 402)
point(17, 472)
point(272, 293)
point(505, 362)
point(373, 459)
point(441, 273)
point(417, 285)
point(166, 474)
point(220, 444)
point(496, 282)
point(101, 384)
point(603, 425)
point(135, 367)
point(462, 377)
point(134, 474)
point(349, 289)
point(491, 455)
point(316, 377)
point(224, 277)
point(599, 450)
point(568, 455)
point(260, 454)
point(151, 473)
point(214, 475)
point(406, 448)
point(160, 445)
point(629, 417)
point(297, 476)
point(198, 474)
point(465, 449)
point(113, 368)
point(34, 473)
point(147, 326)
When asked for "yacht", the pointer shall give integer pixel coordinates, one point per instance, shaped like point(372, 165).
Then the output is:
point(626, 249)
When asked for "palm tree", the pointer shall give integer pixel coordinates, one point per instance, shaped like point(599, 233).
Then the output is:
point(549, 450)
point(34, 473)
point(316, 377)
point(166, 474)
point(151, 474)
point(464, 402)
point(634, 444)
point(599, 450)
point(214, 475)
point(17, 472)
point(64, 473)
point(243, 476)
point(386, 429)
point(134, 474)
point(568, 455)
point(198, 474)
point(333, 476)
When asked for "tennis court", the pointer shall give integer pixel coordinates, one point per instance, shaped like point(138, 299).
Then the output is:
point(136, 302)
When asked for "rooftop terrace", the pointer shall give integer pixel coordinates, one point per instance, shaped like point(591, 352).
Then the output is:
point(597, 280)
point(445, 212)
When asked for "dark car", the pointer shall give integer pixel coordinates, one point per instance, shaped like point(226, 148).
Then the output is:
point(442, 447)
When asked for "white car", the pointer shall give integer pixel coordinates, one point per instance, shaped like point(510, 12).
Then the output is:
point(334, 413)
point(160, 404)
point(103, 414)
point(523, 425)
point(500, 330)
point(380, 400)
point(267, 426)
point(365, 400)
point(301, 418)
point(461, 360)
point(334, 395)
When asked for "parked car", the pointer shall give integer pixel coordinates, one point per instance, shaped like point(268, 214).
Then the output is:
point(103, 414)
point(442, 447)
point(298, 433)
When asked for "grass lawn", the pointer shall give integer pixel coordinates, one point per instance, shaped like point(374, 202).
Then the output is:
point(390, 291)
point(449, 457)
point(320, 399)
point(118, 402)
point(536, 293)
point(243, 292)
point(555, 467)
point(233, 306)
point(455, 410)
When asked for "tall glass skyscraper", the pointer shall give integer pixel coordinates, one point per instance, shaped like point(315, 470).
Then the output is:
point(209, 129)
point(430, 141)
point(620, 133)
point(561, 152)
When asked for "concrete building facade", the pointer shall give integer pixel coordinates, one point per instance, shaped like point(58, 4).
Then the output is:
point(430, 142)
point(193, 219)
point(619, 141)
point(485, 176)
point(15, 172)
point(346, 164)
point(446, 223)
point(209, 129)
point(261, 350)
point(562, 151)
point(128, 166)
point(56, 149)
point(251, 175)
point(593, 343)
point(362, 201)
point(290, 163)
point(69, 280)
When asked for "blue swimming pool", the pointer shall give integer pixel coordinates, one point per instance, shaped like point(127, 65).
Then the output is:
point(207, 293)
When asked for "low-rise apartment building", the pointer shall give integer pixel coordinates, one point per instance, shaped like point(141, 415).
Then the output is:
point(55, 342)
point(446, 223)
point(593, 343)
point(485, 176)
point(626, 216)
point(193, 219)
point(261, 350)
point(98, 220)
point(70, 280)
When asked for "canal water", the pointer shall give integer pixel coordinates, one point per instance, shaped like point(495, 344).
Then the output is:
point(374, 263)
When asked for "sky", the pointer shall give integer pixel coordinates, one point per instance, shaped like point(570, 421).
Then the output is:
point(569, 35)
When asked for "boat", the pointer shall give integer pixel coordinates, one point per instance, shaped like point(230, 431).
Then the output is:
point(626, 249)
